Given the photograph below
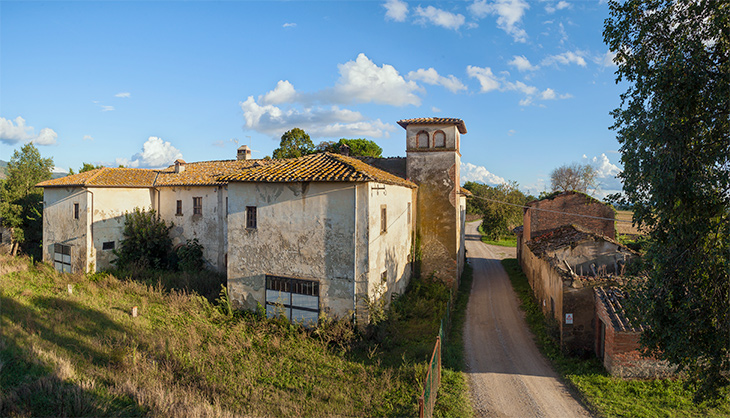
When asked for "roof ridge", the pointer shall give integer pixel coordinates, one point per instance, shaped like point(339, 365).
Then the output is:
point(88, 181)
point(341, 159)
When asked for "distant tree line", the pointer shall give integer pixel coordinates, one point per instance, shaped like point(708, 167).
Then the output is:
point(296, 143)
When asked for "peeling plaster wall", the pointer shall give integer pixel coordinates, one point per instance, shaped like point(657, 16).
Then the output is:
point(210, 228)
point(604, 255)
point(436, 171)
point(107, 222)
point(304, 230)
point(389, 252)
point(60, 227)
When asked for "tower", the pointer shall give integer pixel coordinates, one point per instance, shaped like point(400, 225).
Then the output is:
point(433, 161)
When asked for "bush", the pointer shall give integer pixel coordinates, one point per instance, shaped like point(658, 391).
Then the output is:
point(189, 257)
point(146, 241)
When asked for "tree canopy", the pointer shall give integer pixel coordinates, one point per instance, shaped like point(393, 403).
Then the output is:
point(498, 219)
point(21, 203)
point(359, 147)
point(673, 125)
point(294, 143)
point(578, 177)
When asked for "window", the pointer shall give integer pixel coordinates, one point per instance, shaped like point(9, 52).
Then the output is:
point(251, 217)
point(76, 211)
point(109, 245)
point(295, 299)
point(439, 140)
point(422, 139)
point(197, 206)
point(384, 276)
point(383, 219)
point(62, 258)
point(408, 213)
point(178, 211)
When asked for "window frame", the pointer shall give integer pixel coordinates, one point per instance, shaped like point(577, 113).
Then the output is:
point(198, 205)
point(62, 258)
point(288, 287)
point(435, 134)
point(77, 210)
point(418, 140)
point(179, 208)
point(251, 217)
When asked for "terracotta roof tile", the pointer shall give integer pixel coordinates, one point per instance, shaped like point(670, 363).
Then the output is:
point(612, 299)
point(434, 121)
point(106, 177)
point(204, 172)
point(316, 167)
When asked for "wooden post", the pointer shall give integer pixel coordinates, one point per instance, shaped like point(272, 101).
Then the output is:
point(134, 311)
point(70, 289)
point(420, 407)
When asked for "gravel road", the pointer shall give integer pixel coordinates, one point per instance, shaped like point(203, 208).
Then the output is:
point(508, 376)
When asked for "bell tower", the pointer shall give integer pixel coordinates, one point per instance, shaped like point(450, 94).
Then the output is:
point(433, 162)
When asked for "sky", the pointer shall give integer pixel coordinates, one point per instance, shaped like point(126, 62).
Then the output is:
point(144, 83)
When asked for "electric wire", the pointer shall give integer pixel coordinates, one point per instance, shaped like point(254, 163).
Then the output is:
point(550, 210)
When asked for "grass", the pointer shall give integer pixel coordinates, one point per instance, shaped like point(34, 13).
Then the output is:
point(608, 396)
point(508, 241)
point(83, 354)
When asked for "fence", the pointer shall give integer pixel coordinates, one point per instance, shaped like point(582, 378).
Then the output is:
point(433, 377)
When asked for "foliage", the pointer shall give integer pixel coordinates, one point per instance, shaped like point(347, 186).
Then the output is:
point(674, 129)
point(578, 177)
point(189, 257)
point(358, 147)
point(605, 395)
point(88, 167)
point(21, 203)
point(506, 241)
point(146, 241)
point(498, 219)
point(294, 144)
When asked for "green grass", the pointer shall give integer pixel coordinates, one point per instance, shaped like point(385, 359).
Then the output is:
point(608, 396)
point(509, 241)
point(82, 354)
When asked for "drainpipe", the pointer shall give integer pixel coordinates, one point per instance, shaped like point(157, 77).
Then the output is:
point(91, 231)
point(354, 260)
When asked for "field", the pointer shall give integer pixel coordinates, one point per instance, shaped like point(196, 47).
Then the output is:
point(82, 353)
point(626, 228)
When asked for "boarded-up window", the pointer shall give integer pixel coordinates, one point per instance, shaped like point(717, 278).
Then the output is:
point(76, 211)
point(109, 245)
point(422, 139)
point(295, 299)
point(251, 217)
point(62, 258)
point(178, 210)
point(439, 140)
point(383, 219)
point(197, 206)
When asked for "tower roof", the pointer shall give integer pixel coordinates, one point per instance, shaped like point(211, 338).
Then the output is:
point(434, 121)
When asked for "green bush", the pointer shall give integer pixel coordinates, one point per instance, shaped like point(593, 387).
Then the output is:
point(189, 257)
point(146, 242)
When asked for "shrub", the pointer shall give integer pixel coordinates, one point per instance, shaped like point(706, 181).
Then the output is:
point(146, 241)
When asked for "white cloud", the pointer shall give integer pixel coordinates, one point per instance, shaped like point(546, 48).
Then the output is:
point(486, 78)
point(509, 15)
point(606, 60)
point(471, 172)
point(289, 25)
point(605, 174)
point(522, 64)
point(13, 133)
point(439, 17)
point(560, 6)
point(123, 95)
point(565, 58)
point(431, 76)
point(88, 138)
point(548, 94)
point(283, 93)
point(435, 109)
point(317, 121)
point(156, 153)
point(396, 10)
point(219, 144)
point(364, 82)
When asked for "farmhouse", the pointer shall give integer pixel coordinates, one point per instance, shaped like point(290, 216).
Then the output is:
point(320, 233)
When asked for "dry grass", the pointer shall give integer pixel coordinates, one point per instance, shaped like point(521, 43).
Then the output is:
point(626, 228)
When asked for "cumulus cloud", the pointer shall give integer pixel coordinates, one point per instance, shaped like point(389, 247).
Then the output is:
point(156, 153)
point(560, 6)
point(13, 133)
point(364, 82)
point(439, 17)
point(565, 58)
point(396, 10)
point(123, 95)
point(289, 25)
point(490, 82)
point(431, 76)
point(606, 173)
point(477, 173)
point(284, 92)
point(486, 78)
point(435, 109)
point(606, 60)
point(88, 138)
point(522, 64)
point(509, 15)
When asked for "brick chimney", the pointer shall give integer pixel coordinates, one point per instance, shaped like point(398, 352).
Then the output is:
point(179, 165)
point(244, 153)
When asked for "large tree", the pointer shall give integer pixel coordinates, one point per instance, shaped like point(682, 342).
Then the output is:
point(21, 203)
point(294, 143)
point(359, 147)
point(578, 177)
point(674, 129)
point(498, 218)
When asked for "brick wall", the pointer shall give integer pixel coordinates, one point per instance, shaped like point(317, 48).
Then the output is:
point(537, 222)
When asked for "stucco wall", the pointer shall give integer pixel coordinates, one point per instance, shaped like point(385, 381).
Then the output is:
point(546, 284)
point(304, 230)
point(537, 222)
point(60, 227)
point(587, 256)
point(210, 228)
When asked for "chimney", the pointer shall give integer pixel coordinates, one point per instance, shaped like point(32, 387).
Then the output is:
point(345, 150)
point(179, 165)
point(244, 153)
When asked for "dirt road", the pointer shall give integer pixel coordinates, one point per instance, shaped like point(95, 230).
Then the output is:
point(508, 376)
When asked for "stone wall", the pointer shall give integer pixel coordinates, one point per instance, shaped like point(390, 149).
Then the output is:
point(536, 222)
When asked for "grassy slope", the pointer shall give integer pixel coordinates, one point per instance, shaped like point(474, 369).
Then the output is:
point(606, 395)
point(82, 354)
point(510, 241)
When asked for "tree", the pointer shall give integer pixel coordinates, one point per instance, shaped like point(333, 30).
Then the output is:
point(146, 241)
point(498, 219)
point(359, 147)
point(89, 167)
point(21, 203)
point(673, 125)
point(294, 143)
point(578, 177)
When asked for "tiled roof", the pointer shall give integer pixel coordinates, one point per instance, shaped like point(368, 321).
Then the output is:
point(434, 121)
point(564, 236)
point(316, 167)
point(106, 177)
point(203, 173)
point(612, 299)
point(465, 192)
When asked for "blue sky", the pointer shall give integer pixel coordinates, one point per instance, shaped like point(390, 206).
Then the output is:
point(145, 83)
